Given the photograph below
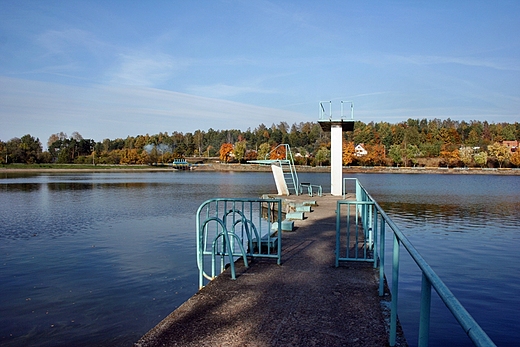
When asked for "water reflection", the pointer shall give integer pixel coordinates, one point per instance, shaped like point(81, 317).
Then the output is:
point(28, 187)
point(98, 259)
point(460, 217)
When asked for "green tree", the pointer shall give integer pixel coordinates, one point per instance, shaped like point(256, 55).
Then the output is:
point(396, 154)
point(323, 155)
point(263, 151)
point(239, 150)
point(31, 149)
point(481, 158)
point(412, 153)
point(3, 152)
point(466, 155)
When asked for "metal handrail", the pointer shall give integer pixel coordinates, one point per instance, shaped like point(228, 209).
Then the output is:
point(224, 225)
point(289, 159)
point(429, 278)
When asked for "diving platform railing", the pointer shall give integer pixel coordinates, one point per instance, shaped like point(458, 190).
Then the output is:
point(362, 238)
point(327, 119)
point(228, 229)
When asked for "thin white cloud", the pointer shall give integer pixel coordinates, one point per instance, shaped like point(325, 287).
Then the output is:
point(467, 61)
point(66, 41)
point(98, 112)
point(145, 69)
point(225, 91)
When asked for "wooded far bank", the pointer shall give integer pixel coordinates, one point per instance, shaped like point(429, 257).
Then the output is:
point(442, 143)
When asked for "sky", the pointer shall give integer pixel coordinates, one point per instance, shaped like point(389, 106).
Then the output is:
point(112, 69)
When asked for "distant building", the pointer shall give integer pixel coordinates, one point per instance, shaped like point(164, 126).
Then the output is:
point(512, 145)
point(360, 150)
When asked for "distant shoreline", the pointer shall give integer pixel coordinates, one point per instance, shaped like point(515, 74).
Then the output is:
point(218, 167)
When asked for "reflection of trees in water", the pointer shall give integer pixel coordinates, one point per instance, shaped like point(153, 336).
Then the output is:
point(28, 187)
point(458, 216)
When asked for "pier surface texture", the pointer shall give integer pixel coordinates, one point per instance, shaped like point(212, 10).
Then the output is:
point(306, 301)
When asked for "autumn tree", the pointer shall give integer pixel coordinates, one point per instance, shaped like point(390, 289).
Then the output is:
point(499, 152)
point(225, 152)
point(55, 137)
point(348, 152)
point(278, 152)
point(129, 156)
point(515, 158)
point(450, 157)
point(378, 154)
point(366, 159)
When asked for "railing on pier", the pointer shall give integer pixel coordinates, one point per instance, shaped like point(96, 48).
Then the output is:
point(228, 229)
point(364, 238)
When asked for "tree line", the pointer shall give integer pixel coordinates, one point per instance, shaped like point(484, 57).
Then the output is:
point(412, 142)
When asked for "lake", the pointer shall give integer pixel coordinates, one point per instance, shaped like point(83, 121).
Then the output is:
point(100, 258)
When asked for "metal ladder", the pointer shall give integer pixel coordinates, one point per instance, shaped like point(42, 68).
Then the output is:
point(289, 171)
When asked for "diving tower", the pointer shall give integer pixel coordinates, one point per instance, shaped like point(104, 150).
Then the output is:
point(336, 126)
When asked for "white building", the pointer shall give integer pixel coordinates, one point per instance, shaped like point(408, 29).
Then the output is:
point(360, 150)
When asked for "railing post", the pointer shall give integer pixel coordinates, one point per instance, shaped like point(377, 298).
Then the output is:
point(374, 233)
point(424, 320)
point(395, 291)
point(430, 279)
point(382, 257)
point(338, 230)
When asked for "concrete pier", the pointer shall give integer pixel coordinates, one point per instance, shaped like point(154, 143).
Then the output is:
point(306, 301)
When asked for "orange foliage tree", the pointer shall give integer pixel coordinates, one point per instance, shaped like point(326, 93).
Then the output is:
point(450, 157)
point(278, 153)
point(377, 154)
point(225, 152)
point(348, 153)
point(515, 158)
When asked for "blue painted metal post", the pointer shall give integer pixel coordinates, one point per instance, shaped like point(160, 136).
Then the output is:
point(395, 291)
point(279, 250)
point(382, 258)
point(374, 232)
point(424, 320)
point(338, 230)
point(357, 235)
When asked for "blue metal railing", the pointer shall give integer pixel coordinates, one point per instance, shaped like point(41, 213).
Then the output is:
point(228, 229)
point(371, 221)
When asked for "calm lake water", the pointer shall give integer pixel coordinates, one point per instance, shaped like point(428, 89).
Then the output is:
point(100, 258)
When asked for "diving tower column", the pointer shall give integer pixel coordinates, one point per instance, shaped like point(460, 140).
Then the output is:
point(336, 128)
point(336, 159)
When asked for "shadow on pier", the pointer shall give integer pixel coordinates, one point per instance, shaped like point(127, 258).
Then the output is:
point(304, 302)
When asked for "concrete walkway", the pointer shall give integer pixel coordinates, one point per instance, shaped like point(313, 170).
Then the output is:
point(304, 302)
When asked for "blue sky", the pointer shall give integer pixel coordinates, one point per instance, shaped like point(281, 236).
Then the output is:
point(110, 69)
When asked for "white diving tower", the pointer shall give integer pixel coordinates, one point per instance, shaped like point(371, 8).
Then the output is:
point(336, 126)
point(282, 164)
